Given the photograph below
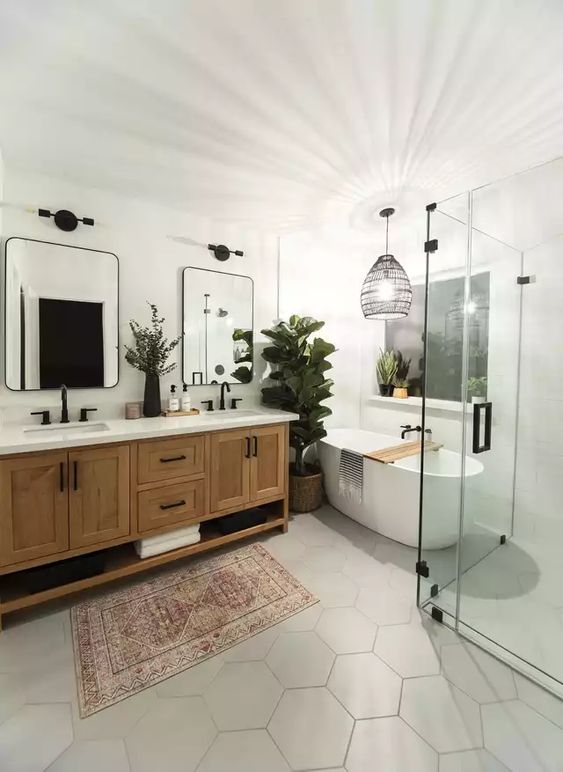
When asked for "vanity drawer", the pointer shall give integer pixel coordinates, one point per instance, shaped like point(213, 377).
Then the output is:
point(170, 505)
point(166, 459)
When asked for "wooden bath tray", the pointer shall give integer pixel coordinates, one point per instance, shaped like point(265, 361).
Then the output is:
point(405, 449)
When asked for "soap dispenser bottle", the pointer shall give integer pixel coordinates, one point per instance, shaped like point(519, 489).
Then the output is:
point(173, 404)
point(186, 399)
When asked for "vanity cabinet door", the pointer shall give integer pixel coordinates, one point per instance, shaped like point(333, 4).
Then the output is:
point(230, 475)
point(99, 495)
point(33, 507)
point(268, 461)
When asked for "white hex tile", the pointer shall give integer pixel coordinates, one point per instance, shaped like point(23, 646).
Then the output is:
point(443, 715)
point(311, 729)
point(540, 699)
point(310, 531)
point(300, 659)
point(522, 739)
point(333, 589)
point(21, 646)
point(173, 735)
point(52, 678)
point(192, 681)
point(346, 630)
point(477, 673)
point(470, 761)
point(365, 570)
point(285, 547)
point(243, 695)
point(12, 695)
point(115, 721)
point(303, 621)
point(93, 756)
point(384, 606)
point(323, 559)
point(408, 650)
point(365, 685)
point(247, 751)
point(253, 649)
point(33, 737)
point(389, 745)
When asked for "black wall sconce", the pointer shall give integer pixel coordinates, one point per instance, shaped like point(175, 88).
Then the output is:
point(65, 220)
point(223, 253)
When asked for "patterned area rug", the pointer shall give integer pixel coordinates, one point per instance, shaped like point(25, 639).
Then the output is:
point(133, 638)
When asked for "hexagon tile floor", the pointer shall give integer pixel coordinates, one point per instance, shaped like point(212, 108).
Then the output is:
point(358, 682)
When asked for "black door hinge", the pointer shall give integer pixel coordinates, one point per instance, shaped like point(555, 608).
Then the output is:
point(503, 539)
point(525, 279)
point(434, 590)
point(431, 246)
point(437, 614)
point(422, 569)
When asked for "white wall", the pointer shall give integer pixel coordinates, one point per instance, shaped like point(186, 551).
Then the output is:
point(150, 270)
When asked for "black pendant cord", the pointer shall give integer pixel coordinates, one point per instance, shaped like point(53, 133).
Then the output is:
point(387, 235)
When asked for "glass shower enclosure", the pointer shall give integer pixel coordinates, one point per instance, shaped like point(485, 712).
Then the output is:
point(491, 527)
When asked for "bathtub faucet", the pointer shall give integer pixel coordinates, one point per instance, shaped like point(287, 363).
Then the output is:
point(407, 428)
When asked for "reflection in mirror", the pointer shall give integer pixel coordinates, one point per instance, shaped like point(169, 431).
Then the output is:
point(62, 308)
point(445, 337)
point(218, 327)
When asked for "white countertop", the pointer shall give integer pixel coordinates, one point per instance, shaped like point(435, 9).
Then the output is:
point(30, 438)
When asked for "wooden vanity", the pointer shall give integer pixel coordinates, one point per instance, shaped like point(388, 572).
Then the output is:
point(62, 503)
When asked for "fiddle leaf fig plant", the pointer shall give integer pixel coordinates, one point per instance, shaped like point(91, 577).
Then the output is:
point(299, 382)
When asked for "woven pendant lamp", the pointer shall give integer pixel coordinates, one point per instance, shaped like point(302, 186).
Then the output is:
point(386, 291)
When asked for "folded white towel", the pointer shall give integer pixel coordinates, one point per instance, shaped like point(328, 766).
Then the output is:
point(156, 545)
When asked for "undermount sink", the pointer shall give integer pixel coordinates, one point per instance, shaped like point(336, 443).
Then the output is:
point(68, 430)
point(238, 413)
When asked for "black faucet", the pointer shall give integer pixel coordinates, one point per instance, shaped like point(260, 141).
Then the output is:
point(64, 406)
point(222, 400)
point(407, 428)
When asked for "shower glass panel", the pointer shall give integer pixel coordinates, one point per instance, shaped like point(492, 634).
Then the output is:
point(499, 582)
point(441, 493)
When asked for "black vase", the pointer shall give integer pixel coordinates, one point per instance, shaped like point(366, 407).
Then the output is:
point(386, 389)
point(151, 402)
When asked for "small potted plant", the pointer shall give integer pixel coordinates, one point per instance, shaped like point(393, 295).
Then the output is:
point(386, 371)
point(401, 383)
point(300, 386)
point(477, 389)
point(150, 355)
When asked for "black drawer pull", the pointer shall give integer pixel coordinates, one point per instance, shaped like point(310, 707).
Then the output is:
point(175, 504)
point(75, 475)
point(168, 460)
point(247, 453)
point(61, 477)
point(255, 452)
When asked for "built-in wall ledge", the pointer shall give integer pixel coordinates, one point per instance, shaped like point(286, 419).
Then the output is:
point(415, 404)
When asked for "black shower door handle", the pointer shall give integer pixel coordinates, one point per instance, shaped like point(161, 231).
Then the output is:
point(477, 408)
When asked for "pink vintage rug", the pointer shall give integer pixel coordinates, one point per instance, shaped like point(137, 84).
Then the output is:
point(133, 638)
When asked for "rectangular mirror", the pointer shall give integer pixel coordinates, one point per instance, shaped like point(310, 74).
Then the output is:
point(62, 316)
point(218, 310)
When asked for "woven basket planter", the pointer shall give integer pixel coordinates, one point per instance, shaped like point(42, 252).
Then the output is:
point(305, 493)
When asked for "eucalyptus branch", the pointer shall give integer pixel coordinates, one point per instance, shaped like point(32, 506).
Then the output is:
point(151, 349)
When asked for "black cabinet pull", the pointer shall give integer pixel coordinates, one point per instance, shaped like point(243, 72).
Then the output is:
point(61, 477)
point(168, 460)
point(175, 504)
point(247, 454)
point(488, 408)
point(255, 452)
point(75, 465)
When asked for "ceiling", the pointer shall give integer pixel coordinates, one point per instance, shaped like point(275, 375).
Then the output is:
point(281, 113)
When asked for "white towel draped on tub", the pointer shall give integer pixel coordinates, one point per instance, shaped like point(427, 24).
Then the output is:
point(351, 474)
point(173, 540)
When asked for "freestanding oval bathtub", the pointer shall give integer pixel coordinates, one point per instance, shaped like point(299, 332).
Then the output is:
point(390, 494)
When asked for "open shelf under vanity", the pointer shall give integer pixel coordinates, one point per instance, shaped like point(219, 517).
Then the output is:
point(123, 561)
